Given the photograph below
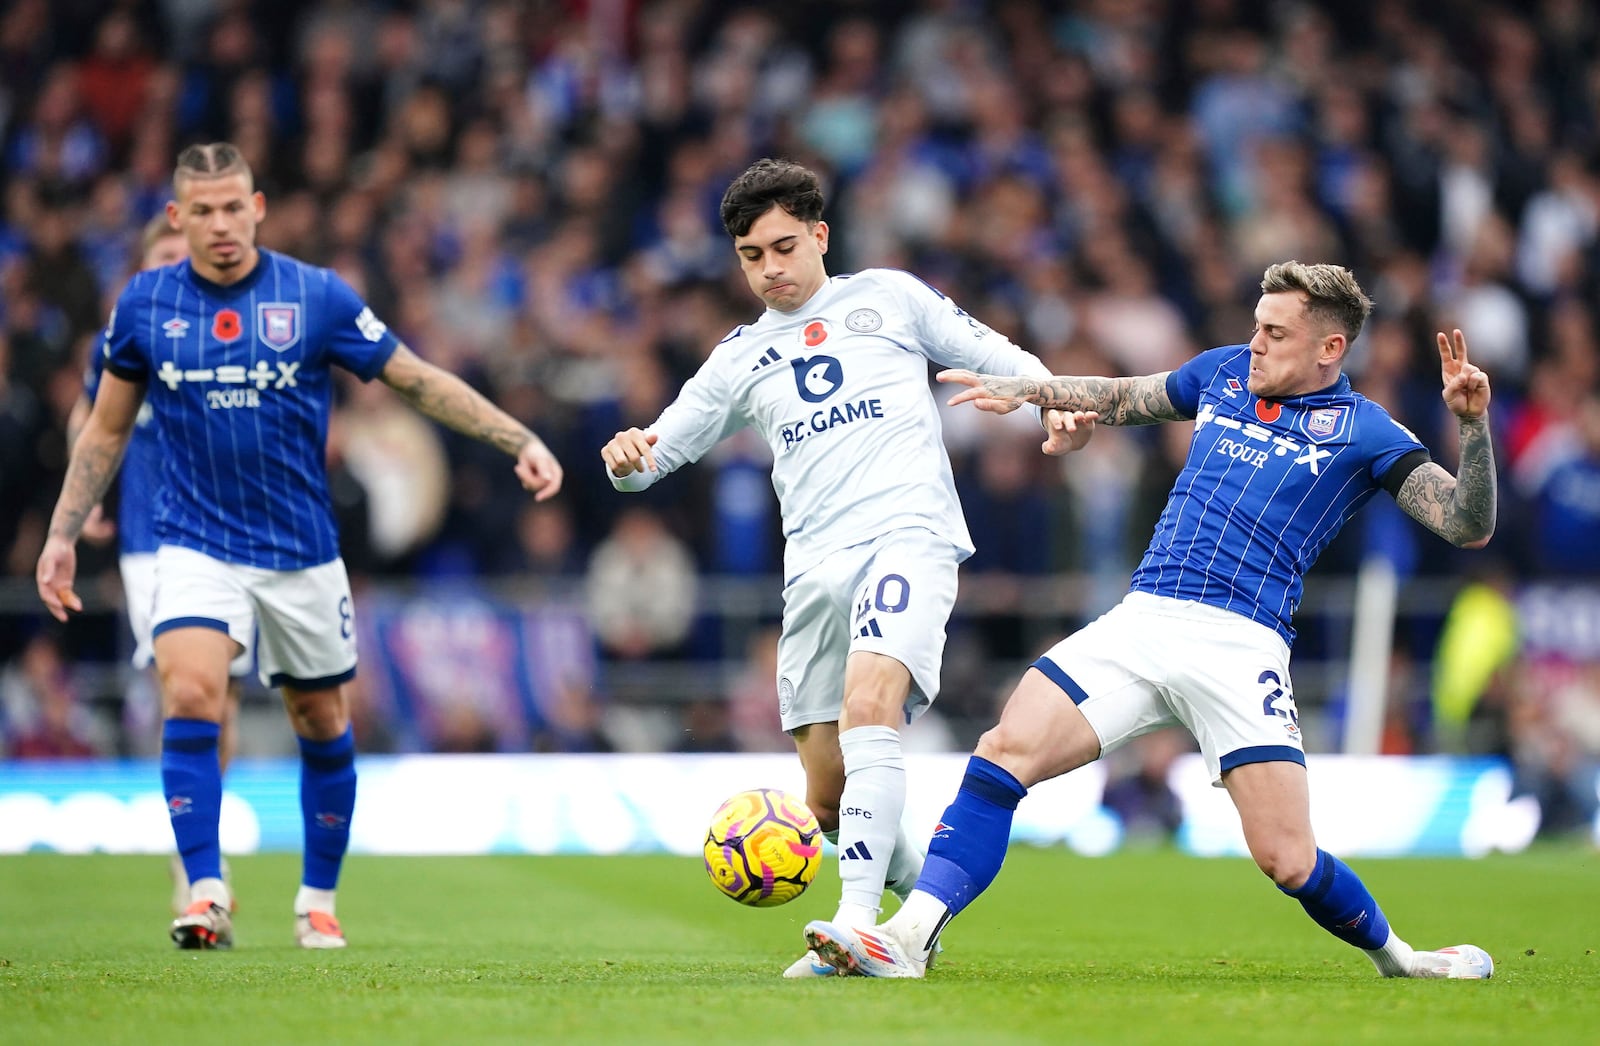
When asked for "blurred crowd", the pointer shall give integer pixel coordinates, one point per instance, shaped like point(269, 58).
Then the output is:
point(526, 191)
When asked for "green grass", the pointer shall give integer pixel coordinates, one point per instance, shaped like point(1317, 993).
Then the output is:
point(1137, 948)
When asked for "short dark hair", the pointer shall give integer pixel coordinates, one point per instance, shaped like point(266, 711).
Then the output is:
point(212, 160)
point(770, 183)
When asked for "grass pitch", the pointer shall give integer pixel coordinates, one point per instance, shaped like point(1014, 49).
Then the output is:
point(1136, 948)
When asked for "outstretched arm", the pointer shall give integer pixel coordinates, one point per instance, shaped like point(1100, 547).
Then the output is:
point(1115, 401)
point(96, 453)
point(450, 401)
point(1459, 508)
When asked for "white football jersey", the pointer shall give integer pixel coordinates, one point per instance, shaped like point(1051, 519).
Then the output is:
point(839, 389)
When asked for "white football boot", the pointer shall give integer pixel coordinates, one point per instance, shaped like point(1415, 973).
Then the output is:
point(1464, 962)
point(857, 952)
point(809, 965)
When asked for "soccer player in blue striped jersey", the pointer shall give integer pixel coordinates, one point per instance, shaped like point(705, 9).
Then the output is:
point(1283, 453)
point(233, 351)
point(160, 245)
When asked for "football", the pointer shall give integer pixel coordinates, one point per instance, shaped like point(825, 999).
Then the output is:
point(763, 848)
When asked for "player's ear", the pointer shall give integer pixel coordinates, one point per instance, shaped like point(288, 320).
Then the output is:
point(259, 200)
point(1333, 347)
point(172, 214)
point(821, 233)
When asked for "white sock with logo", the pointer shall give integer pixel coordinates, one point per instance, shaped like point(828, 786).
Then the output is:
point(869, 819)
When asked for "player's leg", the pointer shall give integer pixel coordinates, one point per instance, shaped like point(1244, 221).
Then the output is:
point(900, 604)
point(192, 663)
point(321, 721)
point(307, 647)
point(202, 621)
point(1040, 735)
point(1088, 694)
point(1274, 804)
point(874, 796)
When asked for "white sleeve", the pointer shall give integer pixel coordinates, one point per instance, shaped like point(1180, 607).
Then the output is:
point(702, 416)
point(950, 337)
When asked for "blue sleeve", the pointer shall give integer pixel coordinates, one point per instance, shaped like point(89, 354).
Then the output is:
point(121, 353)
point(355, 339)
point(1185, 384)
point(1384, 441)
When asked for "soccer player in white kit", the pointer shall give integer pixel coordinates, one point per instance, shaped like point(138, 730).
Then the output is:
point(233, 350)
point(1284, 452)
point(834, 376)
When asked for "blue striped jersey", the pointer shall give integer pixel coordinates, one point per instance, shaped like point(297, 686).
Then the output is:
point(141, 473)
point(1265, 487)
point(238, 380)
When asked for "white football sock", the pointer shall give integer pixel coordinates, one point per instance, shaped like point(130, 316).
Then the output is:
point(869, 818)
point(905, 865)
point(1394, 958)
point(310, 899)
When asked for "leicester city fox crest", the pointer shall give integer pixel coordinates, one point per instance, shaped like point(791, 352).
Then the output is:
point(278, 324)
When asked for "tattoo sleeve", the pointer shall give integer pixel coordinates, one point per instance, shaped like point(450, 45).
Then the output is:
point(95, 457)
point(450, 401)
point(1120, 401)
point(1459, 508)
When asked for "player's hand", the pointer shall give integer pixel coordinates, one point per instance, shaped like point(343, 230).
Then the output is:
point(1466, 388)
point(1068, 430)
point(98, 528)
point(539, 470)
point(58, 565)
point(987, 392)
point(630, 452)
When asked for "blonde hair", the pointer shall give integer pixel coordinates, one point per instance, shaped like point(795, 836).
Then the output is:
point(1332, 293)
point(155, 230)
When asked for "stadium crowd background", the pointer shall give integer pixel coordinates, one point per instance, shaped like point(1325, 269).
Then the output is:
point(526, 192)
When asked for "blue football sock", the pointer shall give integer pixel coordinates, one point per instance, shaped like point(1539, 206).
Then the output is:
point(192, 781)
point(327, 801)
point(970, 842)
point(1340, 903)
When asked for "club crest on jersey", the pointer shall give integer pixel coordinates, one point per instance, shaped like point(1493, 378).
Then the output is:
point(227, 325)
point(864, 321)
point(814, 333)
point(278, 324)
point(817, 377)
point(1324, 423)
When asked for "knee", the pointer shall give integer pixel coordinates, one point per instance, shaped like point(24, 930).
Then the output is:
point(187, 695)
point(318, 715)
point(1288, 864)
point(1000, 746)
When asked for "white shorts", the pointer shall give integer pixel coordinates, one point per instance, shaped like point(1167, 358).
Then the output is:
point(891, 595)
point(138, 570)
point(299, 623)
point(1152, 662)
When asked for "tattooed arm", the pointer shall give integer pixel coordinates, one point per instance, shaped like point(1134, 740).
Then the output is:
point(96, 454)
point(1458, 508)
point(450, 401)
point(1117, 401)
